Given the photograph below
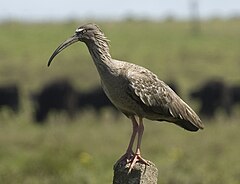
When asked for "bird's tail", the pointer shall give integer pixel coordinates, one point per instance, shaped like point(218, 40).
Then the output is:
point(188, 125)
point(189, 120)
point(184, 116)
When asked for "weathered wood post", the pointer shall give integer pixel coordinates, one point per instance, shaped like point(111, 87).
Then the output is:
point(140, 174)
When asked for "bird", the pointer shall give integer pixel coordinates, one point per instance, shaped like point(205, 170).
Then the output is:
point(134, 90)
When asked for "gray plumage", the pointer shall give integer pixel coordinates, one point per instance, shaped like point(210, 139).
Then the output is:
point(133, 89)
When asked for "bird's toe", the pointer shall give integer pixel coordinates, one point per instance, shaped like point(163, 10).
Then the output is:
point(137, 158)
point(126, 158)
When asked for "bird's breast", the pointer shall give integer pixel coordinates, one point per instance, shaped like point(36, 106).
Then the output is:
point(116, 90)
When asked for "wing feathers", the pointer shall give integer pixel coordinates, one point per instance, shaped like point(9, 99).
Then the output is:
point(159, 98)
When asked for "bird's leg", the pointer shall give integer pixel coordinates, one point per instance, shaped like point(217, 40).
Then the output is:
point(134, 133)
point(129, 153)
point(137, 156)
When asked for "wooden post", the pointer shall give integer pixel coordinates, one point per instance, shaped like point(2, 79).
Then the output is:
point(140, 174)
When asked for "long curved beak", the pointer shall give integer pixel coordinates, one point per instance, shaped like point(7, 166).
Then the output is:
point(64, 45)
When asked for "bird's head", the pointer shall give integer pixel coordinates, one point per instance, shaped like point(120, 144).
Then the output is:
point(86, 33)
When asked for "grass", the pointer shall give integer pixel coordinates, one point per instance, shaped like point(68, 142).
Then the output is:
point(84, 150)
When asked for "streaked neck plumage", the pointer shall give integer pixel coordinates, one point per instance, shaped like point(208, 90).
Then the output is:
point(99, 50)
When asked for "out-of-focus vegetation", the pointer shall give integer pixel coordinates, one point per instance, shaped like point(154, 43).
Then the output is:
point(83, 150)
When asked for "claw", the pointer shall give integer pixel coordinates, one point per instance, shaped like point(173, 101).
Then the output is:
point(137, 158)
point(126, 158)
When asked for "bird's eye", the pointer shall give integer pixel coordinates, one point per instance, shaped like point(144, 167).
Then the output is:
point(80, 30)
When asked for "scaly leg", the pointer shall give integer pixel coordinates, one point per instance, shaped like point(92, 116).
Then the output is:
point(127, 157)
point(137, 156)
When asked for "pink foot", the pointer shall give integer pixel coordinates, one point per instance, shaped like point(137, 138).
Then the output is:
point(126, 158)
point(137, 158)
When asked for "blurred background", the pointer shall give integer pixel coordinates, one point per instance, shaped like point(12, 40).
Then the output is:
point(56, 124)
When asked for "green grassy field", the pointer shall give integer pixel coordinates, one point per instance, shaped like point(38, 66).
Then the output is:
point(85, 149)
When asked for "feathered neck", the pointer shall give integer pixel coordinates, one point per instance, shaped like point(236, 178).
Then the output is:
point(99, 50)
point(102, 44)
point(99, 47)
